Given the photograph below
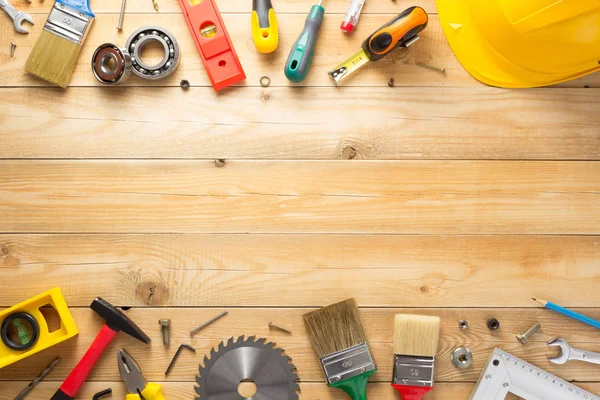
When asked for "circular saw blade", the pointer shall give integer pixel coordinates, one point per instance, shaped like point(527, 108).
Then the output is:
point(247, 359)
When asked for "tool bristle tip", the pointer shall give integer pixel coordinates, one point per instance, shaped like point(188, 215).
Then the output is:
point(416, 335)
point(335, 327)
point(53, 59)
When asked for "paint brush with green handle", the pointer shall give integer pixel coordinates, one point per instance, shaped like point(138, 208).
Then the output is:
point(339, 340)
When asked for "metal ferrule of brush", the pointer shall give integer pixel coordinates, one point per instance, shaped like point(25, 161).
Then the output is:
point(413, 370)
point(68, 23)
point(347, 363)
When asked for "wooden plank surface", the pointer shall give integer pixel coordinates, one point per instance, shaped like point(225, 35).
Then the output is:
point(185, 390)
point(298, 270)
point(412, 123)
point(378, 323)
point(471, 201)
point(154, 197)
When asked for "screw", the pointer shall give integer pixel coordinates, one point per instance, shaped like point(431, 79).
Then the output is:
point(13, 46)
point(273, 326)
point(524, 337)
point(431, 68)
point(122, 15)
point(185, 84)
point(220, 162)
point(210, 321)
point(493, 324)
point(165, 324)
point(463, 324)
point(391, 82)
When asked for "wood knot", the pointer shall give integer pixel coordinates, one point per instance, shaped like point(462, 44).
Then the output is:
point(424, 289)
point(5, 250)
point(10, 262)
point(152, 293)
point(349, 153)
point(220, 162)
point(266, 97)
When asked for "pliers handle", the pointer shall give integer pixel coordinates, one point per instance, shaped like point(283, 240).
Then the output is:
point(152, 391)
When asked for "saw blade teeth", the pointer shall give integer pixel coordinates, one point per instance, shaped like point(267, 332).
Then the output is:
point(220, 367)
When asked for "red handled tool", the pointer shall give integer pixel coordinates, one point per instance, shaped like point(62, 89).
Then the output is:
point(212, 40)
point(115, 321)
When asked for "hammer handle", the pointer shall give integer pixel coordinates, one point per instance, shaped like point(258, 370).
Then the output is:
point(68, 390)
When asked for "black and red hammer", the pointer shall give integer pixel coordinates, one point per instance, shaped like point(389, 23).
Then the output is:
point(115, 321)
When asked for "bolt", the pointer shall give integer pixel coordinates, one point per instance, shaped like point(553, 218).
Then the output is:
point(13, 46)
point(524, 337)
point(272, 325)
point(165, 324)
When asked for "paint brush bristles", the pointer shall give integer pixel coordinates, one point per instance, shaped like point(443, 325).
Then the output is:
point(55, 53)
point(335, 327)
point(53, 59)
point(416, 335)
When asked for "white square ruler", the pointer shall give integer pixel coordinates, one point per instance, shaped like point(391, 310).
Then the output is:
point(505, 373)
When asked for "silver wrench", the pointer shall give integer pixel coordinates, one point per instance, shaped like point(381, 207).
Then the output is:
point(568, 353)
point(17, 16)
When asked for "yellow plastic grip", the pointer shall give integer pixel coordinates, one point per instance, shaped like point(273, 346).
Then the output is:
point(153, 391)
point(133, 397)
point(266, 39)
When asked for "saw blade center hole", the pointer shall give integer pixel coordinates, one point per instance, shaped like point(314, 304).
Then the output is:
point(247, 388)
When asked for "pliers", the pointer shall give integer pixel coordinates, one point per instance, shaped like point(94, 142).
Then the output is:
point(132, 375)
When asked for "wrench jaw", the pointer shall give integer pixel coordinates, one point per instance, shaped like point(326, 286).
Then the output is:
point(18, 21)
point(565, 351)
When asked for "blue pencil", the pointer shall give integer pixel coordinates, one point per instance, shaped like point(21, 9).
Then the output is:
point(568, 313)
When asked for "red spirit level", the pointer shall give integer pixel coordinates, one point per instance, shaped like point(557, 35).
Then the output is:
point(212, 40)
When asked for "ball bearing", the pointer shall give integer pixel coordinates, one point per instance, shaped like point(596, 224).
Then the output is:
point(111, 65)
point(144, 36)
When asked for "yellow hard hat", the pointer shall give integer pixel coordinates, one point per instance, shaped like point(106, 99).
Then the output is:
point(523, 43)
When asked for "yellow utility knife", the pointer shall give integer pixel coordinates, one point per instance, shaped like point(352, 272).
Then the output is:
point(137, 387)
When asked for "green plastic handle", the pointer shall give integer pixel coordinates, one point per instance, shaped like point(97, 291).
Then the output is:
point(356, 386)
point(301, 55)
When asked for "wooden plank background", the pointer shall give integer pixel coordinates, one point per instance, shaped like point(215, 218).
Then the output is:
point(438, 196)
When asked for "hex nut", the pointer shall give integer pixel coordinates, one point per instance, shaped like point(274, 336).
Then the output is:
point(461, 358)
point(493, 324)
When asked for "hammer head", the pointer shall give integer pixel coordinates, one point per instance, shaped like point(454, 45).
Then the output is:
point(117, 321)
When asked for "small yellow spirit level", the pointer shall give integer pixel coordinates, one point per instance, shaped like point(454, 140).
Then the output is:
point(25, 331)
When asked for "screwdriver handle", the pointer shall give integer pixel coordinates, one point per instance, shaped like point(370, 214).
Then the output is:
point(301, 55)
point(265, 29)
point(401, 31)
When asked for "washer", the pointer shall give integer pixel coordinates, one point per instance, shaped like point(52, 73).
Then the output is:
point(140, 39)
point(111, 65)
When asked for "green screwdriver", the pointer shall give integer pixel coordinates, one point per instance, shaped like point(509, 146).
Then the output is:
point(300, 58)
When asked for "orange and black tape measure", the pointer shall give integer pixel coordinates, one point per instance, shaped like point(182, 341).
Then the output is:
point(399, 32)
